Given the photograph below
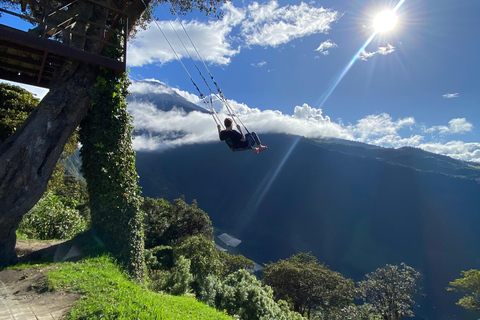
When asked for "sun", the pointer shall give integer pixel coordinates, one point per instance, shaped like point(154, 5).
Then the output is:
point(385, 21)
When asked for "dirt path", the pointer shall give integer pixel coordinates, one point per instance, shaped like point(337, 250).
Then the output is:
point(23, 295)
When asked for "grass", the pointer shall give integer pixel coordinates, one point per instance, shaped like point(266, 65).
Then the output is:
point(109, 294)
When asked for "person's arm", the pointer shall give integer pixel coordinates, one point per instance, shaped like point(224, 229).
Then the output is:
point(219, 131)
point(240, 130)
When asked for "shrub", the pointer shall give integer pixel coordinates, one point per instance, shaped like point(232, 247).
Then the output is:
point(243, 295)
point(167, 224)
point(175, 281)
point(50, 218)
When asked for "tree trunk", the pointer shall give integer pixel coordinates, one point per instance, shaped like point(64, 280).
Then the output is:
point(28, 157)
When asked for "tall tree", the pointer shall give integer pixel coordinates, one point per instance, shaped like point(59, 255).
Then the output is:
point(389, 291)
point(469, 284)
point(28, 157)
point(308, 284)
point(109, 169)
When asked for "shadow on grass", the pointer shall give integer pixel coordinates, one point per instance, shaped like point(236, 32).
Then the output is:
point(87, 244)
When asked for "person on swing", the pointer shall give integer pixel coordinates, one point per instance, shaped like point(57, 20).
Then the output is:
point(236, 140)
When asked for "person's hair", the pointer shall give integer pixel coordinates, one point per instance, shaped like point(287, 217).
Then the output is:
point(227, 122)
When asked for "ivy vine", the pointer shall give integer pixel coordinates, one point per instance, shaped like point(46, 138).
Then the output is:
point(109, 169)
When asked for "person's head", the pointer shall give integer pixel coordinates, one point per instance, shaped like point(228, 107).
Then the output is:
point(228, 122)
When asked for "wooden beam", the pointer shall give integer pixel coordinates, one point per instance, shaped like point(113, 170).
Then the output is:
point(42, 67)
point(15, 36)
point(23, 78)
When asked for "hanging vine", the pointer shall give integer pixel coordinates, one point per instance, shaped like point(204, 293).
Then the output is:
point(109, 169)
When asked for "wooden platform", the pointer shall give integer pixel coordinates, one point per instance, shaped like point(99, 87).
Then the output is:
point(28, 58)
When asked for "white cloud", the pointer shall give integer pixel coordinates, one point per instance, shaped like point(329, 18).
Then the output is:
point(272, 25)
point(365, 55)
point(210, 39)
point(325, 46)
point(466, 151)
point(455, 126)
point(259, 24)
point(155, 86)
point(450, 95)
point(379, 125)
point(259, 64)
point(175, 128)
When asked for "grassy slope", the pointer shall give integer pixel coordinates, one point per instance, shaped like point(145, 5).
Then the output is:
point(109, 294)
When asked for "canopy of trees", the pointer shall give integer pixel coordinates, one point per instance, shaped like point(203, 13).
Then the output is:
point(389, 291)
point(308, 284)
point(469, 284)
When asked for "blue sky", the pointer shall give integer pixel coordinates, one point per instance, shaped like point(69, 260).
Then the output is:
point(277, 61)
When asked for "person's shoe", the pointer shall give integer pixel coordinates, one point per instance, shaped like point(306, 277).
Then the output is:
point(260, 149)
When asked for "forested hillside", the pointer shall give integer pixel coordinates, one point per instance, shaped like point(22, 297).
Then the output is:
point(355, 207)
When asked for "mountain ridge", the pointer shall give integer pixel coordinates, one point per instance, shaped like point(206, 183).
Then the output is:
point(356, 207)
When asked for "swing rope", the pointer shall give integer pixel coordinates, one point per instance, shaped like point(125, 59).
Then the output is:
point(222, 96)
point(214, 114)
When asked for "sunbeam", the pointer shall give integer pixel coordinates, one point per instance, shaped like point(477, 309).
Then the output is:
point(257, 198)
point(324, 97)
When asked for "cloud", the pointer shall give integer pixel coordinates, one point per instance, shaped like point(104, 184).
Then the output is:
point(325, 46)
point(176, 128)
point(259, 64)
point(155, 86)
point(271, 25)
point(466, 151)
point(450, 95)
point(259, 24)
point(365, 55)
point(210, 40)
point(374, 126)
point(455, 126)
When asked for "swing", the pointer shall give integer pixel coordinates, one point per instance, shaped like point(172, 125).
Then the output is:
point(236, 142)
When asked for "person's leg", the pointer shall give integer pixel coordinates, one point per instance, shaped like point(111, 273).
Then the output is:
point(249, 137)
point(255, 137)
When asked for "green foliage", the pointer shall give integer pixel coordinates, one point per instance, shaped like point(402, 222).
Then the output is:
point(203, 254)
point(243, 295)
point(175, 280)
point(180, 277)
point(109, 169)
point(308, 284)
point(208, 289)
point(209, 7)
point(159, 258)
point(232, 263)
point(389, 291)
point(107, 293)
point(352, 312)
point(470, 284)
point(16, 104)
point(167, 224)
point(51, 218)
point(204, 259)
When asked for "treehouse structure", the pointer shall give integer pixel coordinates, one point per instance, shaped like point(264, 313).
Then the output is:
point(32, 56)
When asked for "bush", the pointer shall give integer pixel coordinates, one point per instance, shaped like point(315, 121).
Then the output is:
point(159, 258)
point(175, 281)
point(243, 295)
point(50, 219)
point(167, 224)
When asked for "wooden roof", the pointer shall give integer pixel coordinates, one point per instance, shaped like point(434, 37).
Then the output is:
point(31, 59)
